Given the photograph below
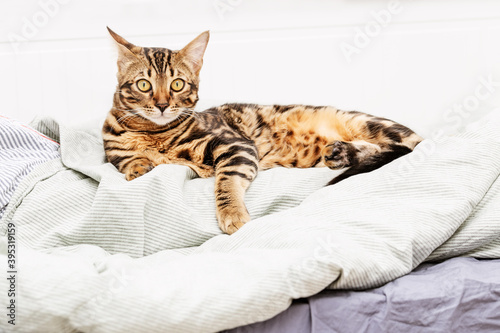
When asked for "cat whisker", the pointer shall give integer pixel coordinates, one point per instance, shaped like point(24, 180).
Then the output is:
point(189, 112)
point(122, 120)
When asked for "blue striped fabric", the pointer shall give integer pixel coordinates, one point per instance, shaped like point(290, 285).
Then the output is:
point(21, 150)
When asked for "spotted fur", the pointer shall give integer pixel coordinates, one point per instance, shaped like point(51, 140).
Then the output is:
point(233, 141)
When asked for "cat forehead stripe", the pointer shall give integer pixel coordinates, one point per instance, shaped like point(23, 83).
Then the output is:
point(159, 59)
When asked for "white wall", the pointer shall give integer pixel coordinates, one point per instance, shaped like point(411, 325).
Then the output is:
point(424, 58)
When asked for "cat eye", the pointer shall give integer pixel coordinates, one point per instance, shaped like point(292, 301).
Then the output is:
point(143, 85)
point(177, 84)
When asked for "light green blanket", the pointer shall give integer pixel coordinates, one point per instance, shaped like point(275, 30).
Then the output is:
point(100, 254)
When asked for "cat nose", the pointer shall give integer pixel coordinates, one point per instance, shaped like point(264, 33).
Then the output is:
point(162, 106)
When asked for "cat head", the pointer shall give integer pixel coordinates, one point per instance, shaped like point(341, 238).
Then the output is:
point(158, 84)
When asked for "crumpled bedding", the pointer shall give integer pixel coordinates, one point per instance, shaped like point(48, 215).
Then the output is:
point(99, 254)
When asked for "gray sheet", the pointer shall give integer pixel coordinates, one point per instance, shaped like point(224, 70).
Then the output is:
point(458, 295)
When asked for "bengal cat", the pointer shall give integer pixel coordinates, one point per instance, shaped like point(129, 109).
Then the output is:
point(152, 122)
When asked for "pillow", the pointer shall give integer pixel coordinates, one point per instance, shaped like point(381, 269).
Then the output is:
point(21, 149)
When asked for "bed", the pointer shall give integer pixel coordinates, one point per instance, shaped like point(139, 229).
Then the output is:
point(455, 295)
point(413, 246)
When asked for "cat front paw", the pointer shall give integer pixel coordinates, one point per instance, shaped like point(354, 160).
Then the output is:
point(339, 155)
point(138, 168)
point(231, 220)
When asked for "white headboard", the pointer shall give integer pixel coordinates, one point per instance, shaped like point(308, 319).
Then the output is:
point(422, 63)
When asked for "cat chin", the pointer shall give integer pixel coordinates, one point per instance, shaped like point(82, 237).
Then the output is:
point(162, 120)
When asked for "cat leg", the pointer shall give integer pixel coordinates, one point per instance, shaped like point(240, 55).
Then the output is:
point(230, 207)
point(235, 169)
point(360, 157)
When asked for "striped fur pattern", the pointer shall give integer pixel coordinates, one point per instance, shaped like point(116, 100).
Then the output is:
point(233, 141)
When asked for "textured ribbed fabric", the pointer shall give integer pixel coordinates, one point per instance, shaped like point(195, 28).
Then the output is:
point(21, 150)
point(99, 254)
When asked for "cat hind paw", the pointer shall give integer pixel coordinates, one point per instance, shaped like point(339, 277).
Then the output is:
point(339, 155)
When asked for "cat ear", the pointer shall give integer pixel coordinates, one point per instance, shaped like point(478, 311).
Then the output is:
point(193, 52)
point(127, 52)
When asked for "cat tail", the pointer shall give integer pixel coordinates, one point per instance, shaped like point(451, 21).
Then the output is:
point(373, 162)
